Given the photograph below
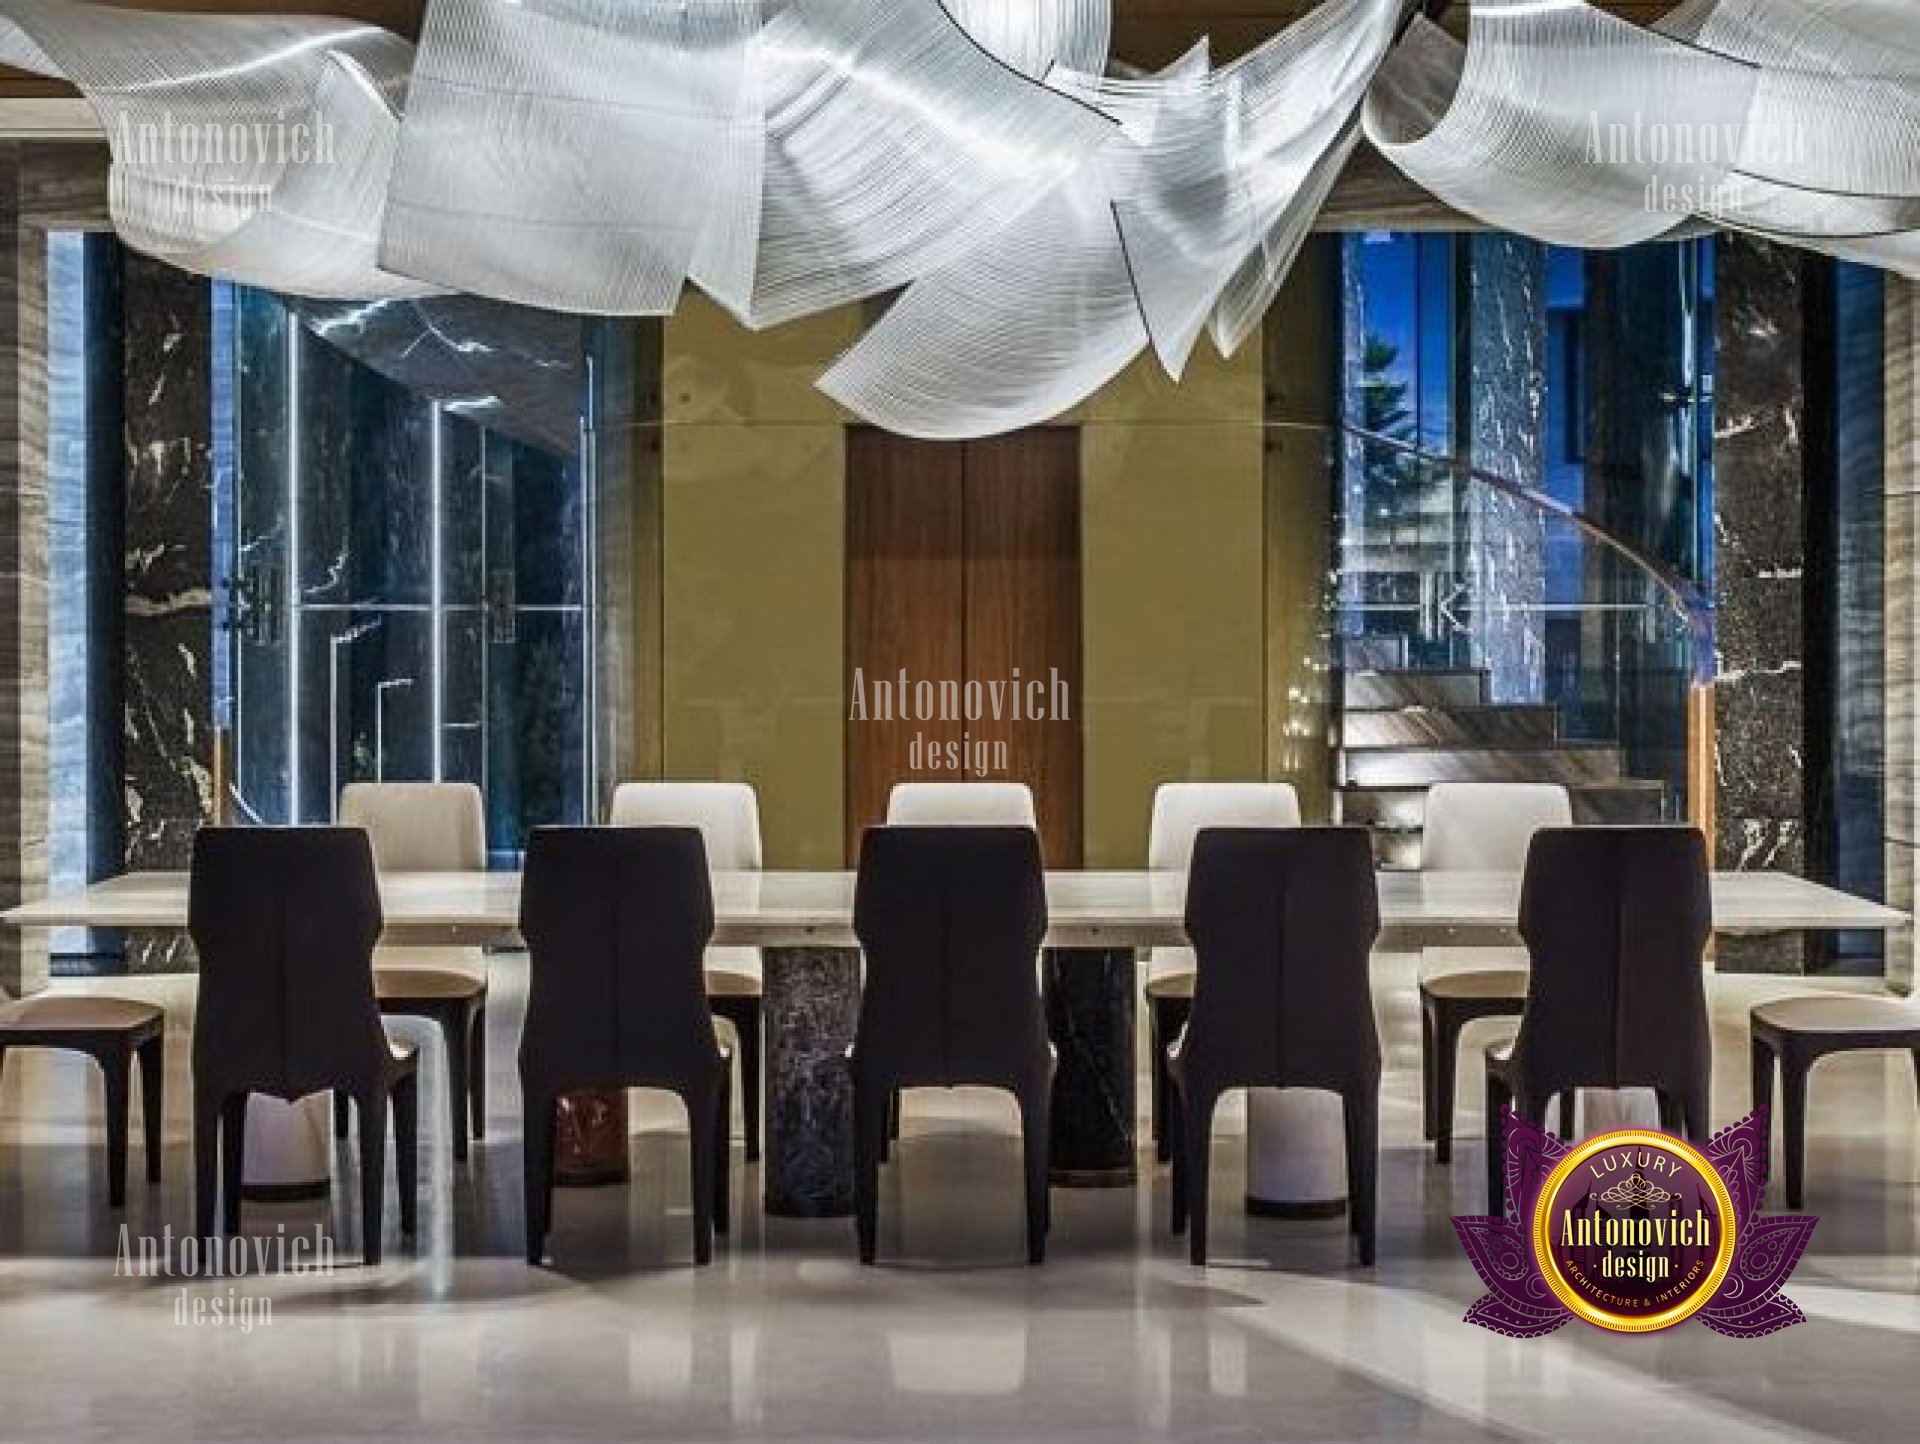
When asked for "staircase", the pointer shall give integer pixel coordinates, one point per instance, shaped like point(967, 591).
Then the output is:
point(1400, 732)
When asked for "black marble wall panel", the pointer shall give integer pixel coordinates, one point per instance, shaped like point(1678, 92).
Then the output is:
point(166, 328)
point(1505, 428)
point(1760, 557)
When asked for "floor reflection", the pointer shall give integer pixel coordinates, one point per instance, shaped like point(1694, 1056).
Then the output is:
point(787, 1337)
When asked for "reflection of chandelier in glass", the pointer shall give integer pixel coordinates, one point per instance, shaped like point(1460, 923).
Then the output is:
point(1047, 222)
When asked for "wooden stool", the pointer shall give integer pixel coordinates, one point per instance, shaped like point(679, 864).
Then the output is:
point(1799, 1032)
point(456, 1001)
point(1448, 1002)
point(110, 1031)
point(736, 997)
point(1169, 1004)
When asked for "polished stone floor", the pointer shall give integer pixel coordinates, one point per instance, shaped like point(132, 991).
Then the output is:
point(786, 1337)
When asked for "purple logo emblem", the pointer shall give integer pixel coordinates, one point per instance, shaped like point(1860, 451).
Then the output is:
point(1635, 1231)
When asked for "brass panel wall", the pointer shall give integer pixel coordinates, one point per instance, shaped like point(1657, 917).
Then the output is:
point(1173, 585)
point(752, 551)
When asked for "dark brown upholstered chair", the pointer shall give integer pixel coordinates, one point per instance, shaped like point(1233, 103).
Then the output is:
point(110, 1031)
point(1616, 922)
point(616, 921)
point(951, 920)
point(285, 920)
point(1282, 922)
point(1797, 1033)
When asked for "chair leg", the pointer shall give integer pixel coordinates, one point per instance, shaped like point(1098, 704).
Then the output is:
point(477, 1071)
point(1158, 1085)
point(1763, 1070)
point(153, 1074)
point(872, 1106)
point(892, 1135)
point(749, 1032)
point(116, 1067)
point(1429, 1086)
point(206, 1162)
point(456, 1033)
point(233, 1160)
point(536, 1187)
point(1694, 1111)
point(1446, 1073)
point(722, 1153)
point(1196, 1126)
point(701, 1151)
point(406, 1151)
point(1363, 1164)
point(342, 1116)
point(1034, 1104)
point(1498, 1098)
point(1177, 1147)
point(373, 1174)
point(1670, 1110)
point(1793, 1123)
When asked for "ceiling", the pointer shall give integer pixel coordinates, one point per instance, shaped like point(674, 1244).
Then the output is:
point(1147, 32)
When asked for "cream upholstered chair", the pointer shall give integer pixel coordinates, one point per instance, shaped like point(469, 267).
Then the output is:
point(430, 973)
point(728, 816)
point(1477, 827)
point(1488, 826)
point(1180, 811)
point(961, 804)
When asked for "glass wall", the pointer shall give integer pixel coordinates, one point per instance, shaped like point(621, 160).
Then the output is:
point(1526, 497)
point(407, 596)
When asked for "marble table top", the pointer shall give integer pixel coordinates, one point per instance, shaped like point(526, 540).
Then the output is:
point(1087, 909)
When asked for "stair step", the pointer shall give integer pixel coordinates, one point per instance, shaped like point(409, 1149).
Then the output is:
point(1414, 766)
point(1457, 687)
point(1630, 799)
point(1399, 851)
point(1384, 809)
point(1494, 726)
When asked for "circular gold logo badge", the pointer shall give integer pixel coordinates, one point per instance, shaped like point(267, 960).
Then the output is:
point(1634, 1230)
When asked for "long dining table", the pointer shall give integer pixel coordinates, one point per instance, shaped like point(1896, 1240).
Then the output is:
point(1099, 925)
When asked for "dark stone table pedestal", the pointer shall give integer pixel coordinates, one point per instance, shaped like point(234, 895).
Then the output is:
point(590, 1138)
point(1090, 1017)
point(810, 1010)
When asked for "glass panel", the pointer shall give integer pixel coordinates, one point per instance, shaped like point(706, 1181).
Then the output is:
point(262, 371)
point(432, 621)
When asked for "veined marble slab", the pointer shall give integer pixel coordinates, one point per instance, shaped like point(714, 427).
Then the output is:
point(1086, 909)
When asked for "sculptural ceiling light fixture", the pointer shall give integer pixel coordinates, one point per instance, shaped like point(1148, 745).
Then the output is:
point(1043, 221)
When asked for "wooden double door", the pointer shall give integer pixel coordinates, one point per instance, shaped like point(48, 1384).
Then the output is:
point(963, 601)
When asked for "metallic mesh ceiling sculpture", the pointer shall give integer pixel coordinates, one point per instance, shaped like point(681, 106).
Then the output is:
point(1043, 221)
